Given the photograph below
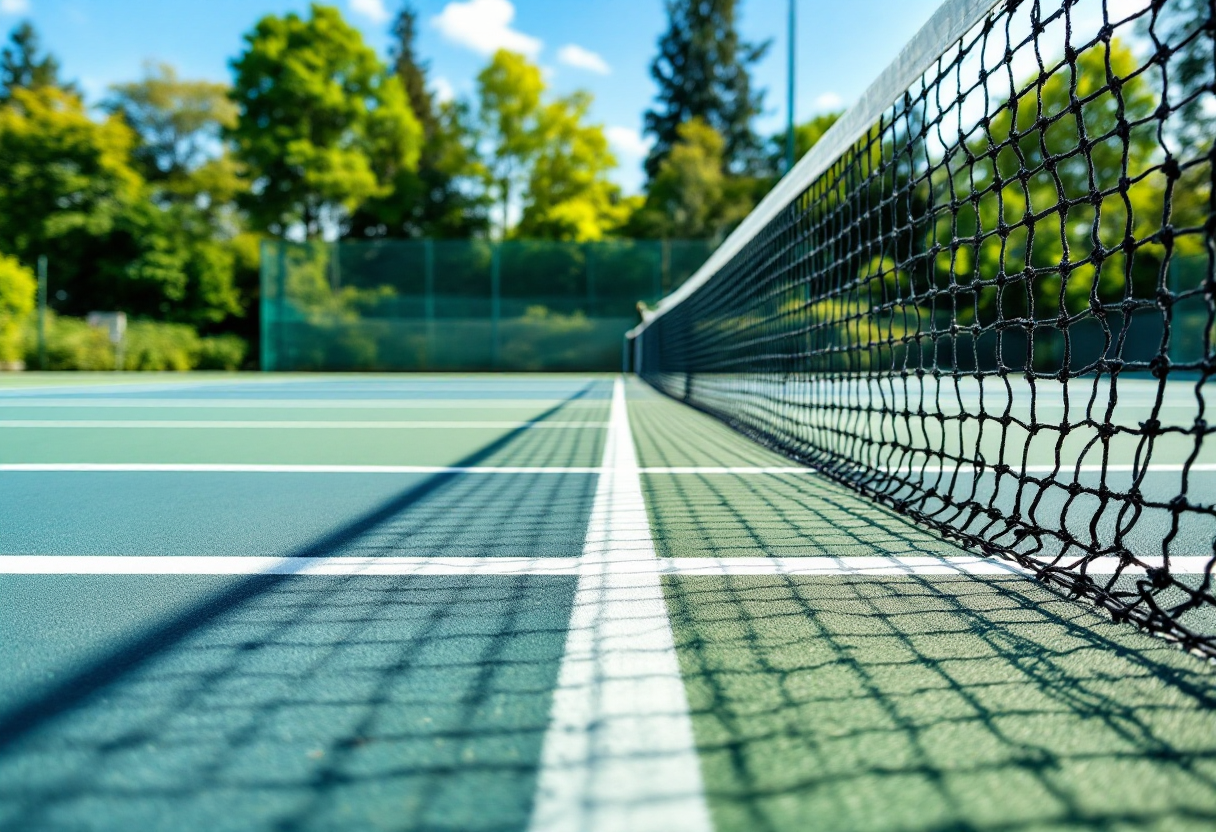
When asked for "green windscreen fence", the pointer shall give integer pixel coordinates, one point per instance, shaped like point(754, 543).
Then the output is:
point(462, 305)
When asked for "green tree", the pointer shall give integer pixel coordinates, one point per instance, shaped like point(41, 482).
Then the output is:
point(1190, 27)
point(323, 126)
point(806, 136)
point(441, 198)
point(180, 124)
point(569, 196)
point(65, 175)
point(193, 178)
point(1029, 163)
point(543, 156)
point(17, 296)
point(69, 190)
point(509, 93)
point(690, 196)
point(703, 70)
point(22, 68)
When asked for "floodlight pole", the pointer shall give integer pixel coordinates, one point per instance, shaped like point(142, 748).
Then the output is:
point(789, 104)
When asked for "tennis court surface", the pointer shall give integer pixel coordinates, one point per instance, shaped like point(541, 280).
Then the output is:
point(512, 602)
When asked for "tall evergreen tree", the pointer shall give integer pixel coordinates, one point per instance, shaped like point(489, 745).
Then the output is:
point(436, 200)
point(412, 70)
point(21, 67)
point(703, 71)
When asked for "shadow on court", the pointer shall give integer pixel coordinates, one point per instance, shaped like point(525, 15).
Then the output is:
point(937, 704)
point(753, 515)
point(292, 702)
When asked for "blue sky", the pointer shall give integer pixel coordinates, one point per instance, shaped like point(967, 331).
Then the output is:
point(604, 46)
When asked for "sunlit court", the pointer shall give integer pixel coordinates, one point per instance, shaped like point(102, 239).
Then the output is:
point(384, 447)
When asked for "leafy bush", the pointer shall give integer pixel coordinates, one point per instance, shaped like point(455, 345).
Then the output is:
point(159, 346)
point(17, 294)
point(222, 352)
point(71, 344)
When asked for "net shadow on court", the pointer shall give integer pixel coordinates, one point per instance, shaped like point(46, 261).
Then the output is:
point(754, 514)
point(885, 703)
point(314, 702)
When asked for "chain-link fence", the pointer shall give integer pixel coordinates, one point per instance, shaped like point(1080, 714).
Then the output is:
point(461, 305)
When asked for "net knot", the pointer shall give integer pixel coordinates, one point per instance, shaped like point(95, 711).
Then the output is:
point(1159, 576)
point(1159, 367)
point(1171, 168)
point(1150, 427)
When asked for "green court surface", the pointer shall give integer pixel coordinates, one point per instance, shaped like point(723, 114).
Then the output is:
point(530, 603)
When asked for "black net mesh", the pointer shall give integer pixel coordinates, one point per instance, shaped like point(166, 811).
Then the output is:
point(994, 311)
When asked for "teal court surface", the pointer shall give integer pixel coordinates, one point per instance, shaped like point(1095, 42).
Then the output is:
point(531, 603)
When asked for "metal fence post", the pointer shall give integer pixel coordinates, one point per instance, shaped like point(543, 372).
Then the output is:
point(42, 302)
point(428, 300)
point(281, 304)
point(590, 272)
point(495, 301)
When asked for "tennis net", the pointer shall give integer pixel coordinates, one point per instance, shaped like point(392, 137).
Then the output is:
point(986, 299)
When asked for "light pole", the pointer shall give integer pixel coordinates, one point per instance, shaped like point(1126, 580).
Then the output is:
point(789, 104)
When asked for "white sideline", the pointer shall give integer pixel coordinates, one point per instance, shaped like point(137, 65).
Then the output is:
point(254, 468)
point(619, 755)
point(299, 424)
point(348, 566)
point(261, 468)
point(297, 404)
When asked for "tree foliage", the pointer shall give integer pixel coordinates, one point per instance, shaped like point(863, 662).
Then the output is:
point(1029, 135)
point(690, 196)
point(323, 126)
point(703, 71)
point(21, 67)
point(509, 93)
point(569, 195)
point(18, 291)
point(441, 198)
point(180, 125)
point(806, 136)
point(545, 155)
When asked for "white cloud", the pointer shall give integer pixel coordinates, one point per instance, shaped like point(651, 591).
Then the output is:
point(627, 142)
point(485, 27)
point(580, 58)
point(14, 6)
point(373, 10)
point(828, 101)
point(442, 89)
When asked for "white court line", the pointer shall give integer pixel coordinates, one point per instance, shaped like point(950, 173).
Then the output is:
point(305, 404)
point(254, 468)
point(191, 424)
point(645, 565)
point(619, 754)
point(257, 468)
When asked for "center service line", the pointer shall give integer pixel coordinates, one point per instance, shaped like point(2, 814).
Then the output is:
point(619, 755)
